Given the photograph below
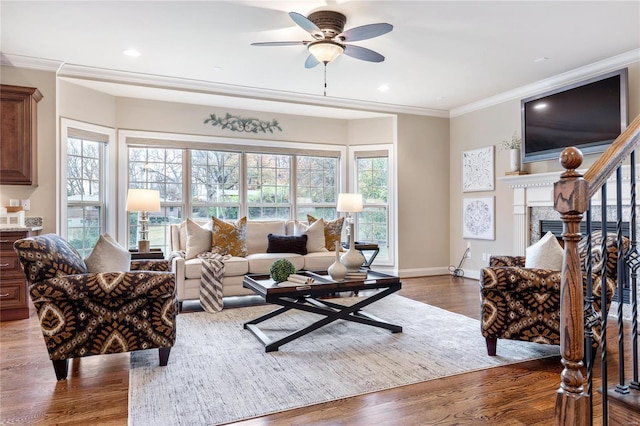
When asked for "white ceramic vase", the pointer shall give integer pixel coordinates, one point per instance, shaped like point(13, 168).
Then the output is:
point(337, 270)
point(514, 159)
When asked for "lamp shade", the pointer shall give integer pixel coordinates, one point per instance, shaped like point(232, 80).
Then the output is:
point(143, 200)
point(349, 202)
point(325, 50)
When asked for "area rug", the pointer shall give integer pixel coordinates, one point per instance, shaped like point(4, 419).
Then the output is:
point(219, 373)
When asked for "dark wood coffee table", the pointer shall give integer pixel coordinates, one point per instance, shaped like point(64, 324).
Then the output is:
point(306, 298)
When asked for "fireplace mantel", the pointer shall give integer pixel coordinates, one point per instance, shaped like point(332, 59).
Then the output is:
point(536, 190)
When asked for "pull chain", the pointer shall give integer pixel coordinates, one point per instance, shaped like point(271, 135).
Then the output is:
point(325, 79)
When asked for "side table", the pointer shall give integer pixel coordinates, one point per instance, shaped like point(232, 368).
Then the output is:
point(372, 248)
point(146, 255)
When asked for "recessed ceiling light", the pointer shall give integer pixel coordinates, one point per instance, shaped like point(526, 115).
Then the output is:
point(541, 59)
point(217, 68)
point(383, 88)
point(131, 52)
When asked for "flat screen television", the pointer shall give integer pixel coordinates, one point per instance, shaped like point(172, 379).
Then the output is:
point(588, 115)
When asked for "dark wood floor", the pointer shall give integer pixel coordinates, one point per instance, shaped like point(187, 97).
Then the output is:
point(96, 391)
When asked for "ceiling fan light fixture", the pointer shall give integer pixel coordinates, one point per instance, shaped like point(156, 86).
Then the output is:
point(325, 51)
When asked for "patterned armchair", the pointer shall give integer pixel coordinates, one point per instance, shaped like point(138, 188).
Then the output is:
point(521, 303)
point(84, 314)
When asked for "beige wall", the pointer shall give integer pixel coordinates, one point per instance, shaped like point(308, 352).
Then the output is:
point(43, 195)
point(140, 114)
point(490, 126)
point(423, 200)
point(86, 105)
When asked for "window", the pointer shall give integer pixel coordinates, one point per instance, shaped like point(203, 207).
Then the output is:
point(161, 169)
point(86, 195)
point(316, 187)
point(373, 180)
point(215, 184)
point(268, 186)
point(201, 177)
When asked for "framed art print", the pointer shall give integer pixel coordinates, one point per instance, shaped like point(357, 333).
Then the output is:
point(477, 170)
point(478, 218)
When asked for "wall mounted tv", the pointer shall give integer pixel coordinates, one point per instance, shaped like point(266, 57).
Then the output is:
point(588, 115)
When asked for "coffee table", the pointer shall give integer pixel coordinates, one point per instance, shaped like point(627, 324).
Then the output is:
point(306, 298)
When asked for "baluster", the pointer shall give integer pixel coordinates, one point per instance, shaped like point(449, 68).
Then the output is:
point(571, 201)
point(633, 261)
point(590, 314)
point(621, 387)
point(603, 306)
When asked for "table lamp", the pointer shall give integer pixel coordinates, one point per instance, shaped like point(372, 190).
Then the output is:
point(144, 201)
point(351, 203)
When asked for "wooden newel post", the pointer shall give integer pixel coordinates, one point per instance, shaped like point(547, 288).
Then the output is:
point(571, 200)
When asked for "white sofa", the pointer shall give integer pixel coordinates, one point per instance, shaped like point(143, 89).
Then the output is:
point(257, 261)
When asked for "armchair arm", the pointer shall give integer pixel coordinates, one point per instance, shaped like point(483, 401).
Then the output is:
point(150, 265)
point(507, 261)
point(514, 279)
point(105, 285)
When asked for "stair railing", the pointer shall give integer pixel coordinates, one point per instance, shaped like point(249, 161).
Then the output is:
point(572, 195)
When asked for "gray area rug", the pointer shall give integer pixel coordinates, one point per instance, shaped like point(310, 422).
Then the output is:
point(218, 372)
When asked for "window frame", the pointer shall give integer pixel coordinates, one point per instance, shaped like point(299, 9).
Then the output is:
point(392, 224)
point(109, 178)
point(184, 141)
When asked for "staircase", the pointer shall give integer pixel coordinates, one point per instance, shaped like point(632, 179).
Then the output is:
point(573, 193)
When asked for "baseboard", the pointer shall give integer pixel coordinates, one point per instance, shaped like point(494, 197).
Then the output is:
point(421, 272)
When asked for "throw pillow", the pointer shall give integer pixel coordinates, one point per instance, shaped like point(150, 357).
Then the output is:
point(198, 239)
point(108, 256)
point(229, 238)
point(315, 235)
point(287, 244)
point(545, 254)
point(332, 231)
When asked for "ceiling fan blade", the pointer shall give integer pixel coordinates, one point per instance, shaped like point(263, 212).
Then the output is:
point(362, 53)
point(280, 43)
point(306, 25)
point(365, 32)
point(311, 62)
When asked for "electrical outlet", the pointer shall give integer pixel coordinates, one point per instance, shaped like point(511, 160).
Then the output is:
point(26, 204)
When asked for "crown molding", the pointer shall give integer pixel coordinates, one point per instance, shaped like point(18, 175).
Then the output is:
point(587, 71)
point(17, 61)
point(208, 87)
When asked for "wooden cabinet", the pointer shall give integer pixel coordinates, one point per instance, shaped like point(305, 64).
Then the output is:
point(18, 135)
point(14, 302)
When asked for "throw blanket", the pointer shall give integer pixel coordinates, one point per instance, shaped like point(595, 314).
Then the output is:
point(211, 281)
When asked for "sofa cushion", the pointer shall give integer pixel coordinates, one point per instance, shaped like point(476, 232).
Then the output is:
point(198, 239)
point(319, 261)
point(545, 254)
point(257, 231)
point(332, 231)
point(315, 234)
point(287, 244)
point(233, 266)
point(108, 256)
point(259, 263)
point(229, 238)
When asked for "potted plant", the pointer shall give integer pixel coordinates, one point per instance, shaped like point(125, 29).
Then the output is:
point(513, 146)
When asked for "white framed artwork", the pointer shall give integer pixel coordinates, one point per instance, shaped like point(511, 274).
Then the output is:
point(477, 170)
point(478, 218)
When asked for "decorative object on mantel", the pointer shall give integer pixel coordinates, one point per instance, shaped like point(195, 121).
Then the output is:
point(239, 124)
point(477, 170)
point(478, 218)
point(513, 146)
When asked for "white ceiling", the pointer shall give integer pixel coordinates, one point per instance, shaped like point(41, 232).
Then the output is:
point(440, 56)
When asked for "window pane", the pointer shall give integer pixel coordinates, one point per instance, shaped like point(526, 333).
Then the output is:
point(372, 182)
point(268, 182)
point(86, 161)
point(316, 186)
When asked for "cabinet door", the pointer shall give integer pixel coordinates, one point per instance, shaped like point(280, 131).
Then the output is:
point(18, 135)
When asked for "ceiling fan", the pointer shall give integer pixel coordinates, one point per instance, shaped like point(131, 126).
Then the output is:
point(330, 40)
